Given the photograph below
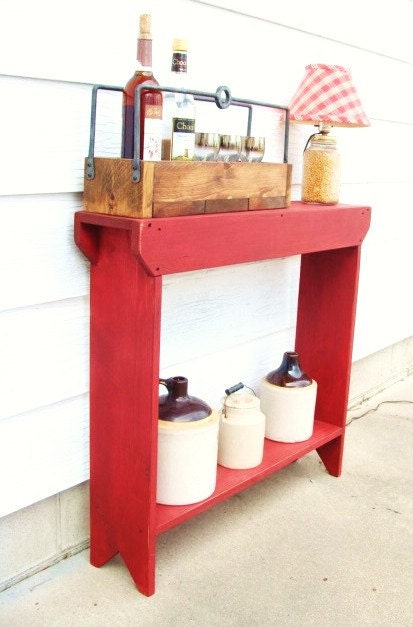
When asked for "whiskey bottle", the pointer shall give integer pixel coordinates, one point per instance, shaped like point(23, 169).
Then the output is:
point(151, 102)
point(178, 126)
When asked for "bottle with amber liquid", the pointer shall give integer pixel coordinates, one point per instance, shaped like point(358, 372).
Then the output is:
point(151, 102)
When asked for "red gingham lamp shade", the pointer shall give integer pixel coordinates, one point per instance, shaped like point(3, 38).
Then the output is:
point(327, 94)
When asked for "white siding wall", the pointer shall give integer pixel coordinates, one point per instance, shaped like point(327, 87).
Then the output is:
point(219, 326)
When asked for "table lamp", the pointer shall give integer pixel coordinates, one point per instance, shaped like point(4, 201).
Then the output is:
point(325, 97)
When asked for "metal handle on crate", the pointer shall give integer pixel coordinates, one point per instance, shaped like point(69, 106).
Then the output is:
point(90, 166)
point(222, 98)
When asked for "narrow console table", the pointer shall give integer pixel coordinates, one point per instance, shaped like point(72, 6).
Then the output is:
point(128, 257)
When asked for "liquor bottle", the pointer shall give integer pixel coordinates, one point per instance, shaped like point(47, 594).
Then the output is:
point(178, 125)
point(151, 102)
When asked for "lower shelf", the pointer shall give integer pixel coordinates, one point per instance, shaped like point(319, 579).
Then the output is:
point(276, 456)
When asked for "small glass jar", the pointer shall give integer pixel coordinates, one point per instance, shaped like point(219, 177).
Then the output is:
point(321, 171)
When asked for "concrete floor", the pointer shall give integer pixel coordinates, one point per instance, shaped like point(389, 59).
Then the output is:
point(301, 548)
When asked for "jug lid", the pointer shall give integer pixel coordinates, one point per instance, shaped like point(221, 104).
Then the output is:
point(241, 400)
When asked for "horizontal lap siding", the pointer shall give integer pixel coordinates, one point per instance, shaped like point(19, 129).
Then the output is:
point(45, 136)
point(219, 326)
point(385, 303)
point(36, 243)
point(47, 355)
point(42, 452)
point(215, 310)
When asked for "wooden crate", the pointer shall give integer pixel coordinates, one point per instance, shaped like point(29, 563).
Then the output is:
point(173, 188)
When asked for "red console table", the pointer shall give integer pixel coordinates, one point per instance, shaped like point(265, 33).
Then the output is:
point(128, 258)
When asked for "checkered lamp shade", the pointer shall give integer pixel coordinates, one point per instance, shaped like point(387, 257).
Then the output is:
point(327, 94)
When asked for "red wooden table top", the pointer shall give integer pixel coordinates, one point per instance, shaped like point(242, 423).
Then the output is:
point(179, 244)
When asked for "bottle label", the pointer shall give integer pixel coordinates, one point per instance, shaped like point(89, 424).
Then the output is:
point(153, 111)
point(183, 139)
point(179, 62)
point(152, 140)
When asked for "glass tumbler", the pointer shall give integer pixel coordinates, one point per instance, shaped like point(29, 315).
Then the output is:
point(229, 148)
point(206, 146)
point(252, 149)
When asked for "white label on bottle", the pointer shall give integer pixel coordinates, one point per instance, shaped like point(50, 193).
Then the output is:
point(183, 139)
point(152, 140)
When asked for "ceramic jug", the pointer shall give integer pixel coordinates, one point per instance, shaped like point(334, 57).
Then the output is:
point(177, 405)
point(187, 446)
point(288, 397)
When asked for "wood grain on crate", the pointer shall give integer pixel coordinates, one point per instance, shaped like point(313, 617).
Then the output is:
point(169, 189)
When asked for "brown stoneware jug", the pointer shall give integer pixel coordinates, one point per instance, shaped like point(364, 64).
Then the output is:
point(288, 397)
point(187, 446)
point(177, 405)
point(289, 374)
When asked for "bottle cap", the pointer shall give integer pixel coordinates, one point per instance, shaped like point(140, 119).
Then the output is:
point(180, 45)
point(145, 26)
